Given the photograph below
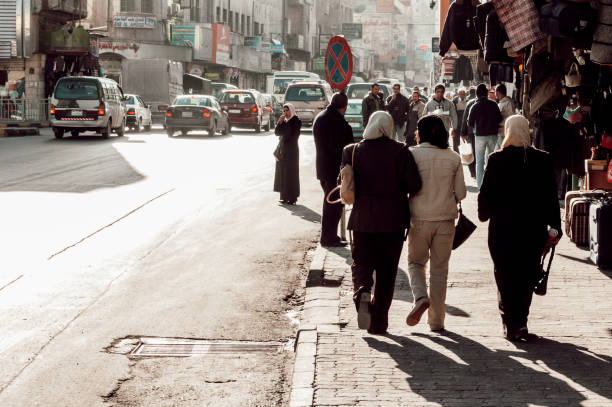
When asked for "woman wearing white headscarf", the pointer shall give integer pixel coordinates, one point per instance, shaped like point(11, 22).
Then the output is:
point(287, 173)
point(385, 173)
point(519, 197)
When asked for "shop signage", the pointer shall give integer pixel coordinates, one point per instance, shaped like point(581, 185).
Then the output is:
point(183, 35)
point(66, 40)
point(277, 48)
point(384, 6)
point(338, 63)
point(134, 22)
point(221, 44)
point(266, 46)
point(213, 76)
point(118, 46)
point(254, 42)
point(435, 44)
point(352, 31)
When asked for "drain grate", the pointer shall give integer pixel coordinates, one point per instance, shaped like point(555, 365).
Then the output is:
point(160, 347)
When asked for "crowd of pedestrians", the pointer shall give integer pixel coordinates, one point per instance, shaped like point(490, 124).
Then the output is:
point(408, 183)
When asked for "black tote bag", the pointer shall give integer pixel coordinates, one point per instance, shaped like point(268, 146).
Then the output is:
point(463, 229)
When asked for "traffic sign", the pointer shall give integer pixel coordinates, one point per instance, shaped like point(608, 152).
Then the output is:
point(338, 63)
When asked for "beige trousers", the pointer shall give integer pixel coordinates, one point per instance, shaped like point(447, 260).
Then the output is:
point(430, 241)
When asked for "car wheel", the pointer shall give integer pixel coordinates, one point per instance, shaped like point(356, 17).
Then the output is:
point(170, 131)
point(257, 128)
point(74, 133)
point(213, 129)
point(58, 133)
point(148, 126)
point(106, 131)
point(121, 130)
point(184, 132)
point(226, 129)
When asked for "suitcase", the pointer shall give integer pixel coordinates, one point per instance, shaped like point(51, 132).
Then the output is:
point(570, 195)
point(600, 233)
point(579, 221)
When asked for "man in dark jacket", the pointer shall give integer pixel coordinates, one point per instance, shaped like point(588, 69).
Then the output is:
point(467, 133)
point(331, 133)
point(371, 103)
point(385, 173)
point(485, 118)
point(398, 106)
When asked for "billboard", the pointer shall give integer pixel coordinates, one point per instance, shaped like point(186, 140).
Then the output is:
point(352, 31)
point(184, 35)
point(221, 44)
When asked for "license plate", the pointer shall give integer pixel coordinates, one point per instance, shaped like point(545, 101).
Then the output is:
point(355, 125)
point(234, 110)
point(187, 114)
point(76, 113)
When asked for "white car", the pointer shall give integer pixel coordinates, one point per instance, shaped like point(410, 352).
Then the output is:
point(138, 113)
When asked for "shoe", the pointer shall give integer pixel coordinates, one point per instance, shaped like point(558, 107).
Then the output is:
point(376, 332)
point(420, 306)
point(339, 243)
point(434, 328)
point(364, 319)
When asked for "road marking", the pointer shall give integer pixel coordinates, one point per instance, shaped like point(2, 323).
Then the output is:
point(7, 284)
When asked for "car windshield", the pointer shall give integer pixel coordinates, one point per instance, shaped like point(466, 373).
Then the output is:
point(280, 85)
point(304, 94)
point(130, 100)
point(361, 90)
point(191, 101)
point(237, 98)
point(83, 89)
point(217, 89)
point(353, 108)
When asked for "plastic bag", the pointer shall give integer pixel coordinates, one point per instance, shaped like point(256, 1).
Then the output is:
point(466, 153)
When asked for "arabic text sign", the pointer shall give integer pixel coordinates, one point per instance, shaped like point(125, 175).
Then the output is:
point(134, 22)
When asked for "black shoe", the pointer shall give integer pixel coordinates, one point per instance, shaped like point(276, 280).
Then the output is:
point(339, 243)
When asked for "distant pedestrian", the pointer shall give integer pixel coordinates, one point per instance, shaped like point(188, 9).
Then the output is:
point(506, 107)
point(385, 173)
point(417, 106)
point(460, 102)
point(371, 103)
point(433, 212)
point(331, 133)
point(287, 174)
point(467, 133)
point(519, 197)
point(398, 106)
point(484, 117)
point(442, 107)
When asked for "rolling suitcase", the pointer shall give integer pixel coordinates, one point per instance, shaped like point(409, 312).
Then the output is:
point(579, 221)
point(600, 233)
point(570, 195)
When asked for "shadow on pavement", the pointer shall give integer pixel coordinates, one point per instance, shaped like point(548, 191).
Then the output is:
point(303, 212)
point(586, 260)
point(469, 373)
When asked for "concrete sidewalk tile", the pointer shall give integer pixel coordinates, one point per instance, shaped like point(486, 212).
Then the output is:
point(301, 397)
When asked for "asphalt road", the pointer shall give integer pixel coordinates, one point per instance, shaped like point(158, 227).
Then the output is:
point(105, 242)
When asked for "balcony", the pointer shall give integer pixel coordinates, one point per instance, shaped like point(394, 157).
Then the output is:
point(61, 9)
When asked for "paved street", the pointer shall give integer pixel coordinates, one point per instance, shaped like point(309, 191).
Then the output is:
point(470, 364)
point(105, 242)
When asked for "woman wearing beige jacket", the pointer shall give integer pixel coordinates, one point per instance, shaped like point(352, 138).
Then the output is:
point(433, 212)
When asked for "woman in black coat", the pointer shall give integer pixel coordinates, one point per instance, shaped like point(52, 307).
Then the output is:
point(287, 174)
point(519, 197)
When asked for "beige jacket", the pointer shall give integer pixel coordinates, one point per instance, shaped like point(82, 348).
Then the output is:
point(443, 184)
point(506, 106)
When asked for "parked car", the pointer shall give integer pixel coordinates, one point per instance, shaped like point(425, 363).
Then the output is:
point(87, 103)
point(196, 112)
point(246, 109)
point(219, 87)
point(309, 99)
point(138, 113)
point(276, 110)
point(360, 90)
point(354, 118)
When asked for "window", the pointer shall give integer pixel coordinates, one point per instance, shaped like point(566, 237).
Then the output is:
point(248, 25)
point(225, 15)
point(130, 100)
point(236, 23)
point(231, 20)
point(255, 28)
point(261, 29)
point(146, 6)
point(191, 101)
point(195, 12)
point(218, 14)
point(237, 98)
point(128, 5)
point(354, 109)
point(242, 31)
point(304, 93)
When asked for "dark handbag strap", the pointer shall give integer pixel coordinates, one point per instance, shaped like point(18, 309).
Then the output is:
point(550, 259)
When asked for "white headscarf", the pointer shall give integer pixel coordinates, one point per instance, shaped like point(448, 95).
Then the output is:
point(291, 110)
point(516, 132)
point(380, 124)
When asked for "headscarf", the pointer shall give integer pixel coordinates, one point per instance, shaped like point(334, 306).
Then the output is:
point(516, 132)
point(380, 124)
point(291, 110)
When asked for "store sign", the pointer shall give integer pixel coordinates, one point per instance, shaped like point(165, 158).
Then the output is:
point(277, 48)
point(265, 46)
point(384, 6)
point(352, 31)
point(134, 22)
point(183, 35)
point(213, 76)
point(221, 44)
point(74, 40)
point(435, 44)
point(253, 42)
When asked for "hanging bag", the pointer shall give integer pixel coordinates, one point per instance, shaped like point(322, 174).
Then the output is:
point(347, 183)
point(542, 282)
point(466, 153)
point(573, 78)
point(463, 229)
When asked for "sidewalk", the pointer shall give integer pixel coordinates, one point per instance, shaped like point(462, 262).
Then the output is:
point(471, 364)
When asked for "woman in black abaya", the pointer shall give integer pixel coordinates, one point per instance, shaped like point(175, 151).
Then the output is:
point(287, 174)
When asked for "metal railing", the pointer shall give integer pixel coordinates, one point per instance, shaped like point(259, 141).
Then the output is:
point(24, 110)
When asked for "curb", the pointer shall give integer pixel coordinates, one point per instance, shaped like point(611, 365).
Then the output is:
point(25, 124)
point(19, 131)
point(320, 314)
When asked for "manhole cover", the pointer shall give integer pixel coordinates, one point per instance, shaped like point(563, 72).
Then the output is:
point(160, 347)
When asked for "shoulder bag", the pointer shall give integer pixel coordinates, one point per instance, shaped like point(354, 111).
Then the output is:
point(347, 183)
point(463, 229)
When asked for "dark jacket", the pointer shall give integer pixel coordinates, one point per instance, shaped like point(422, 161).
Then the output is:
point(398, 109)
point(519, 197)
point(287, 172)
point(369, 105)
point(459, 28)
point(485, 117)
point(465, 127)
point(385, 173)
point(331, 133)
point(495, 38)
point(463, 70)
point(480, 21)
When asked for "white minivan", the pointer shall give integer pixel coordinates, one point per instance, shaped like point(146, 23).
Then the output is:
point(87, 103)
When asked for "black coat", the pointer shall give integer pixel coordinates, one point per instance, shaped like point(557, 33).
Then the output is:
point(398, 109)
point(385, 173)
point(287, 174)
point(459, 28)
point(331, 133)
point(485, 117)
point(369, 105)
point(519, 197)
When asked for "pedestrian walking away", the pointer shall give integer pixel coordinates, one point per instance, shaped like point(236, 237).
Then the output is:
point(398, 106)
point(433, 212)
point(460, 102)
point(331, 133)
point(506, 107)
point(287, 173)
point(385, 173)
point(519, 199)
point(417, 106)
point(444, 108)
point(484, 117)
point(467, 133)
point(371, 103)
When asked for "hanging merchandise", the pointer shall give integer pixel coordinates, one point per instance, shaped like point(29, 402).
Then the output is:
point(573, 78)
point(480, 21)
point(520, 18)
point(459, 28)
point(569, 20)
point(601, 50)
point(463, 70)
point(447, 68)
point(495, 39)
point(606, 140)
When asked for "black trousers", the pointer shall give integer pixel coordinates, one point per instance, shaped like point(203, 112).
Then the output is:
point(331, 213)
point(515, 284)
point(380, 252)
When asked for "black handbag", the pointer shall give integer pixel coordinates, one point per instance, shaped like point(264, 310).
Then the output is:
point(463, 229)
point(542, 281)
